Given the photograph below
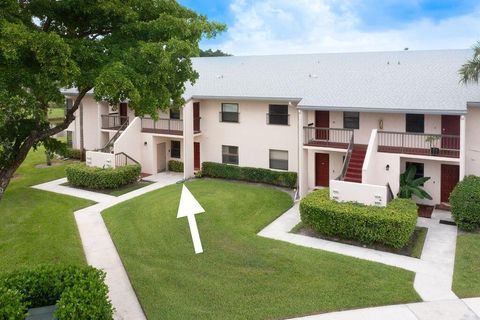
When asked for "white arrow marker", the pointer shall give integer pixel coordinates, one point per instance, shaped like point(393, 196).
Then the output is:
point(189, 207)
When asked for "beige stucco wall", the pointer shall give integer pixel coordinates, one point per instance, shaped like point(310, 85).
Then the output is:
point(253, 136)
point(472, 161)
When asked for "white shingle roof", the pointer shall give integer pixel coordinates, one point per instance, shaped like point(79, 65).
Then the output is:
point(413, 81)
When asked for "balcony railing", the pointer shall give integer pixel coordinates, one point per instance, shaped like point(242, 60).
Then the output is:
point(167, 126)
point(113, 121)
point(327, 137)
point(438, 145)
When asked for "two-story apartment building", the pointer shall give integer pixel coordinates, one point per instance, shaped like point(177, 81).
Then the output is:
point(351, 121)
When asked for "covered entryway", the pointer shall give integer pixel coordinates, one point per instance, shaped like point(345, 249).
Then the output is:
point(450, 175)
point(161, 157)
point(322, 169)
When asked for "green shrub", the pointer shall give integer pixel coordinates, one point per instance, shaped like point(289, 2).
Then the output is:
point(392, 225)
point(78, 292)
point(71, 153)
point(225, 171)
point(175, 166)
point(12, 304)
point(465, 203)
point(80, 175)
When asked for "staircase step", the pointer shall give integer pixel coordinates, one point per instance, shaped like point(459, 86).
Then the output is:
point(353, 174)
point(352, 180)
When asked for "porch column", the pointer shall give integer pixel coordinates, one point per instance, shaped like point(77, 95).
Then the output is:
point(188, 169)
point(302, 157)
point(462, 147)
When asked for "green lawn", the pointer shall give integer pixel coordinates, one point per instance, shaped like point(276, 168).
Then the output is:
point(466, 278)
point(56, 113)
point(38, 227)
point(240, 275)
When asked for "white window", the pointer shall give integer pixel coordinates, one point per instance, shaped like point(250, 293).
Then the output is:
point(279, 159)
point(229, 112)
point(230, 155)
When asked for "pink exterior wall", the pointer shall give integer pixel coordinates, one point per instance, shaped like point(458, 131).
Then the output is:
point(252, 134)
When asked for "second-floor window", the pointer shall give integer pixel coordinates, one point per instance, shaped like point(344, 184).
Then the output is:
point(278, 114)
point(229, 112)
point(175, 149)
point(415, 123)
point(230, 155)
point(174, 114)
point(351, 120)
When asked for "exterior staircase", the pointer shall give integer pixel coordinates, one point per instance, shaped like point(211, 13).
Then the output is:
point(108, 148)
point(354, 171)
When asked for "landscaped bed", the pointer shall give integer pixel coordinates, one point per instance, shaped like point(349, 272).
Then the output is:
point(240, 275)
point(391, 226)
point(76, 292)
point(115, 192)
point(83, 176)
point(413, 248)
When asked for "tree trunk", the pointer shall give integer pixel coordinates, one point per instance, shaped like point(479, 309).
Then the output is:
point(4, 181)
point(22, 149)
point(48, 155)
point(82, 144)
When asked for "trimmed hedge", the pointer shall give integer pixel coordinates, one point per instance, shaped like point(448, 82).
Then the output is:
point(226, 171)
point(465, 203)
point(77, 292)
point(175, 166)
point(81, 175)
point(392, 225)
point(71, 153)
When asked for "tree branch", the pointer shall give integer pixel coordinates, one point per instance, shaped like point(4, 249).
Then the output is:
point(69, 117)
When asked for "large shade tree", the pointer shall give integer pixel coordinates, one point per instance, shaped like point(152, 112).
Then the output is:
point(135, 50)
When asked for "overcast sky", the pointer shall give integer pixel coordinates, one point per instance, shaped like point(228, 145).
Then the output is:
point(308, 26)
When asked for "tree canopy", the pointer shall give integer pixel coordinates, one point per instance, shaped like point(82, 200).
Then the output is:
point(470, 71)
point(211, 53)
point(135, 50)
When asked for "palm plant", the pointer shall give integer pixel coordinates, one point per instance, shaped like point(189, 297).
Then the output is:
point(411, 186)
point(470, 71)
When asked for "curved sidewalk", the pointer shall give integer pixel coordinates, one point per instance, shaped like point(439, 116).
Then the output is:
point(98, 246)
point(433, 272)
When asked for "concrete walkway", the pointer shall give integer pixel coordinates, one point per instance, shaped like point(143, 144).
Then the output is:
point(434, 271)
point(436, 310)
point(99, 248)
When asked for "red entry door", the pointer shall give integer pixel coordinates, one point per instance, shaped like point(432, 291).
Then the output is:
point(451, 126)
point(196, 117)
point(196, 155)
point(450, 175)
point(322, 169)
point(322, 120)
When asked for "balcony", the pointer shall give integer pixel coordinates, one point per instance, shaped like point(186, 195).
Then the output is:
point(114, 122)
point(327, 137)
point(436, 145)
point(167, 126)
